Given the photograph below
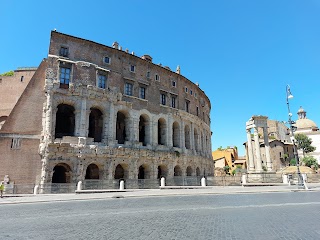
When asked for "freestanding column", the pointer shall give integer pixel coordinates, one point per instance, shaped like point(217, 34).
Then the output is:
point(250, 155)
point(267, 148)
point(258, 153)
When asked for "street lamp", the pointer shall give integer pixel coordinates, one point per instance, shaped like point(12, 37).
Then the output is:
point(292, 128)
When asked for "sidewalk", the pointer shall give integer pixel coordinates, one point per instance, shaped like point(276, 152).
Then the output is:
point(30, 198)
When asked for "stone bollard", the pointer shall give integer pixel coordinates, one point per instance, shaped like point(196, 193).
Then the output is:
point(79, 186)
point(203, 182)
point(285, 179)
point(244, 179)
point(36, 189)
point(162, 182)
point(121, 185)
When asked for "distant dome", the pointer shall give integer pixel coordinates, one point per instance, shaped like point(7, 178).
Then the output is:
point(305, 123)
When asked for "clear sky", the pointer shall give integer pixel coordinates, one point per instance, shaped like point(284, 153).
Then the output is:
point(243, 53)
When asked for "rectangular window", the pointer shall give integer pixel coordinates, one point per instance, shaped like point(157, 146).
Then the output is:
point(102, 80)
point(187, 106)
point(197, 111)
point(173, 102)
point(64, 52)
point(163, 99)
point(15, 143)
point(132, 68)
point(148, 74)
point(173, 83)
point(128, 89)
point(107, 60)
point(142, 93)
point(191, 92)
point(65, 77)
point(186, 89)
point(157, 77)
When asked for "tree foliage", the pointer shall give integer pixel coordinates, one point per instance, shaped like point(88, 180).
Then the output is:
point(10, 73)
point(310, 161)
point(293, 162)
point(304, 143)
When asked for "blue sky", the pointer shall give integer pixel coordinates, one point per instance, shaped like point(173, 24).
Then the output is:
point(242, 53)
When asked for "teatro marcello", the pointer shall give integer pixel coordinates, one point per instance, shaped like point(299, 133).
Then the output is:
point(91, 111)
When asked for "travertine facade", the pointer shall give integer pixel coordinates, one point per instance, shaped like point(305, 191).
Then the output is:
point(108, 114)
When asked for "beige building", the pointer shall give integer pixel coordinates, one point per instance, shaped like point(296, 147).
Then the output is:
point(91, 111)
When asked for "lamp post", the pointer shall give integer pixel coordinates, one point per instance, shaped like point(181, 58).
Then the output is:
point(295, 150)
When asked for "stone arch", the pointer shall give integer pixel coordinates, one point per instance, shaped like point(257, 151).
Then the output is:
point(187, 137)
point(196, 140)
point(198, 172)
point(65, 121)
point(92, 172)
point(61, 173)
point(144, 129)
point(176, 134)
point(162, 171)
point(162, 131)
point(121, 171)
point(95, 124)
point(144, 172)
point(177, 171)
point(122, 127)
point(189, 171)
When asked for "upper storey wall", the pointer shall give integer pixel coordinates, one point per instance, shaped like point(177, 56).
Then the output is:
point(11, 88)
point(189, 97)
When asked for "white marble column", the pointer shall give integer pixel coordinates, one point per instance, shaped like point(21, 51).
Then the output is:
point(250, 155)
point(267, 148)
point(257, 148)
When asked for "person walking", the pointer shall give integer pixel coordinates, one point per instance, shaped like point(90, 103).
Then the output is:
point(1, 188)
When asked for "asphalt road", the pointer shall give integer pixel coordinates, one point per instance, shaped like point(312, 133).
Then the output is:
point(293, 215)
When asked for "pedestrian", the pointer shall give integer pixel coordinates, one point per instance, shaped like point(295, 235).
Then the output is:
point(1, 188)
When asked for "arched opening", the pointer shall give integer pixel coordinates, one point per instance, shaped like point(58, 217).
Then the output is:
point(162, 126)
point(177, 171)
point(61, 173)
point(198, 172)
point(121, 172)
point(144, 130)
point(92, 172)
point(189, 171)
point(65, 121)
point(95, 124)
point(176, 134)
point(162, 171)
point(121, 136)
point(196, 140)
point(187, 136)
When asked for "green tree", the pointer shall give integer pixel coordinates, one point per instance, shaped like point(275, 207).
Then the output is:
point(226, 169)
point(293, 162)
point(310, 161)
point(304, 143)
point(10, 73)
